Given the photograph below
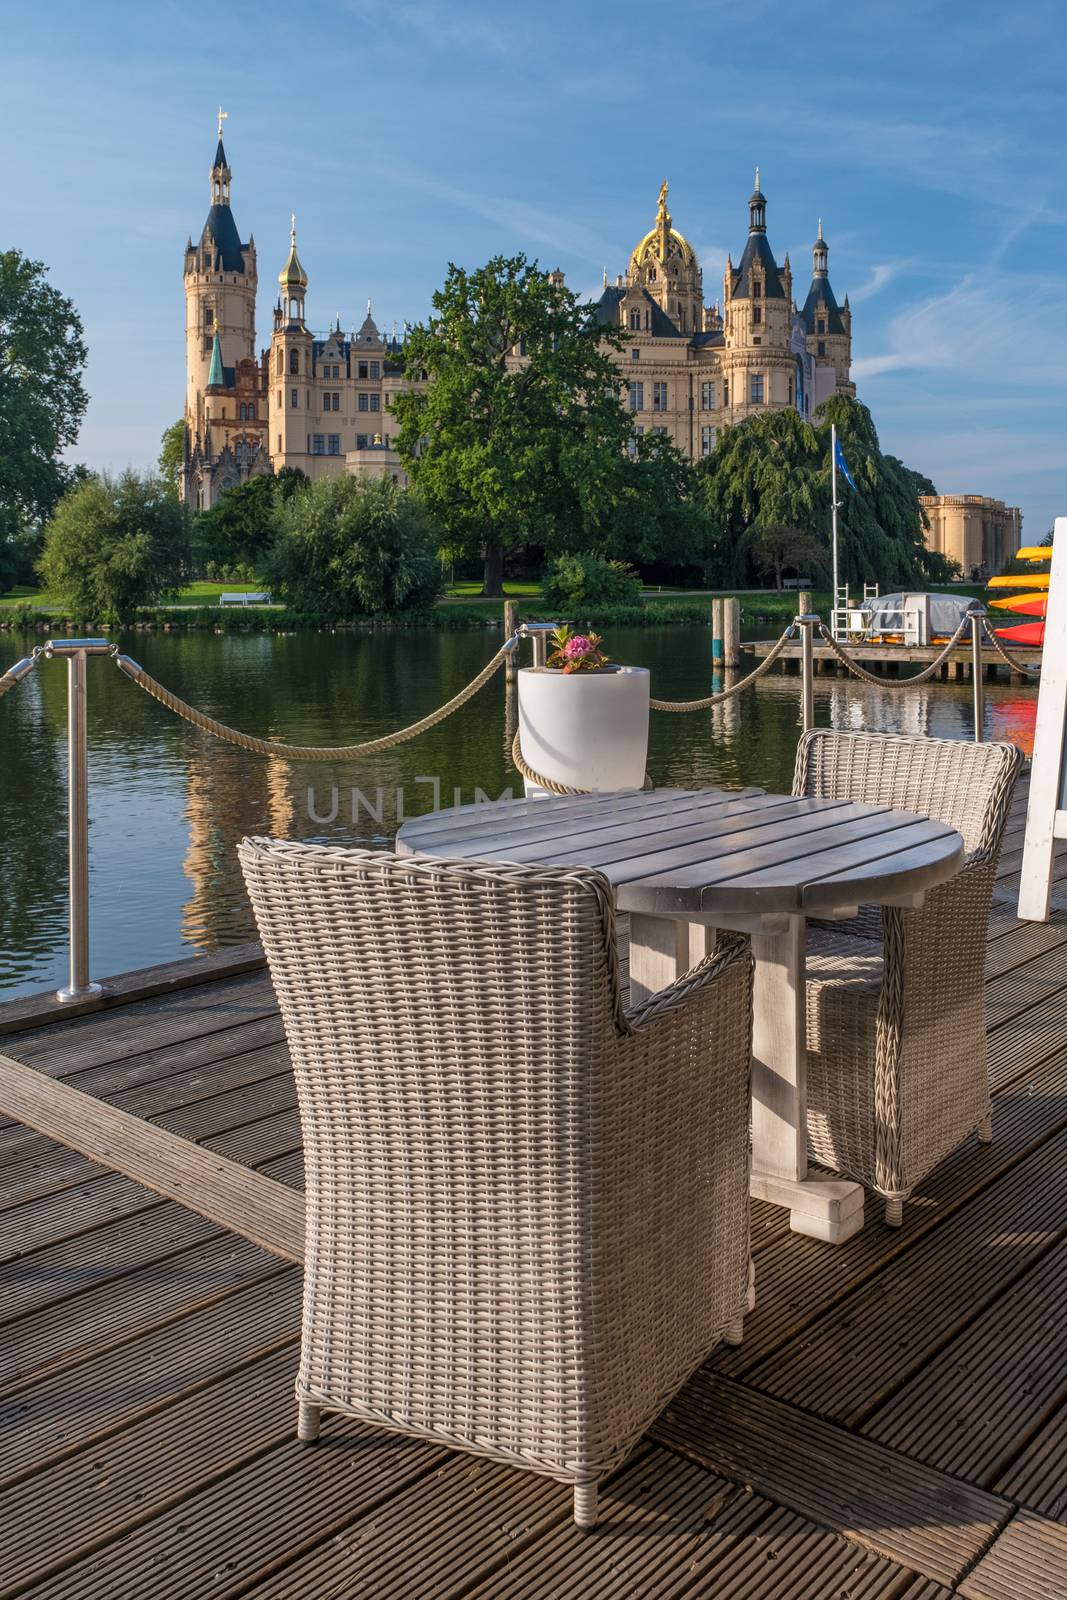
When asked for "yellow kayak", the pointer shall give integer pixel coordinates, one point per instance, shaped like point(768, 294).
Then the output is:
point(1034, 552)
point(1040, 580)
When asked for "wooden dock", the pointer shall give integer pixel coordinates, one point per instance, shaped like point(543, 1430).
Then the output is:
point(902, 659)
point(893, 1427)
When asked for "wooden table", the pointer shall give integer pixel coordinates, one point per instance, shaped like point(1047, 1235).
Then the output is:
point(685, 861)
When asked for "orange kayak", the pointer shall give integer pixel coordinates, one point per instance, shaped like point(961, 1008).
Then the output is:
point(1021, 580)
point(1024, 605)
point(1031, 633)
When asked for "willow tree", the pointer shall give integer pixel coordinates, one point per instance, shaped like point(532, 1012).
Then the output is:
point(773, 471)
point(515, 433)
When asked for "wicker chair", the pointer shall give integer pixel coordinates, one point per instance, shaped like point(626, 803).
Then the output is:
point(527, 1208)
point(897, 1062)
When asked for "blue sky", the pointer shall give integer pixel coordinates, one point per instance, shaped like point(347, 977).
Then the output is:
point(928, 136)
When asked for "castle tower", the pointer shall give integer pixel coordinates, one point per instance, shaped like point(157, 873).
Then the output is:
point(827, 328)
point(757, 362)
point(220, 337)
point(292, 367)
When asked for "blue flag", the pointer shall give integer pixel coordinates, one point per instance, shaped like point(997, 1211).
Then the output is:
point(842, 465)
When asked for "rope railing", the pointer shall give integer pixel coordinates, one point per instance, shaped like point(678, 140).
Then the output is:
point(311, 752)
point(853, 666)
point(728, 693)
point(1009, 656)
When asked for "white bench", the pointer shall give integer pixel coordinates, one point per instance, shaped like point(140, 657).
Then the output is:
point(253, 597)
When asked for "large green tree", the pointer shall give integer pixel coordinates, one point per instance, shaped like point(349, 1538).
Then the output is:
point(347, 547)
point(42, 402)
point(773, 472)
point(239, 528)
point(115, 544)
point(518, 435)
point(660, 514)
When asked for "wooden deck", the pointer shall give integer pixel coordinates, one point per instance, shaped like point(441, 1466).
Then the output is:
point(894, 1426)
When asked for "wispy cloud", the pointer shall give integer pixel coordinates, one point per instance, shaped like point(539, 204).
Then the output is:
point(440, 26)
point(881, 273)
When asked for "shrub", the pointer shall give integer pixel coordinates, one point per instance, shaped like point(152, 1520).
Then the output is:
point(349, 547)
point(115, 544)
point(587, 579)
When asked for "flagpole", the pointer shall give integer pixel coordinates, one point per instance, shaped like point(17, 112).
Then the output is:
point(833, 492)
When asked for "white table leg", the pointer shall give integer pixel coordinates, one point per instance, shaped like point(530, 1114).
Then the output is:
point(824, 1208)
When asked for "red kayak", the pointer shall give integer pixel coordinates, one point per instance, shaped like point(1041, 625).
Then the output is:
point(1031, 633)
point(1024, 605)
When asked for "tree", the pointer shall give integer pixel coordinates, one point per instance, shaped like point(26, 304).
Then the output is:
point(518, 436)
point(347, 547)
point(171, 464)
point(777, 547)
point(769, 471)
point(115, 544)
point(660, 514)
point(773, 471)
point(239, 528)
point(42, 397)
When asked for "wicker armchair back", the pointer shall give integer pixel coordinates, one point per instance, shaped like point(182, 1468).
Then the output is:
point(897, 1058)
point(527, 1209)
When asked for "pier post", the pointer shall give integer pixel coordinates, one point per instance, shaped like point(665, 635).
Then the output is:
point(731, 632)
point(977, 619)
point(716, 634)
point(511, 623)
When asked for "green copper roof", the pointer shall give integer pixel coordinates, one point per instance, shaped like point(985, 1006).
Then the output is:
point(215, 377)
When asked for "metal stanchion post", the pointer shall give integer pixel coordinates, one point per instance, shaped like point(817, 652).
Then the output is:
point(806, 622)
point(977, 623)
point(77, 651)
point(537, 633)
point(511, 623)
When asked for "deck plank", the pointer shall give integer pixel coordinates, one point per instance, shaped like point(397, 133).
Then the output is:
point(1027, 1562)
point(846, 1363)
point(901, 1509)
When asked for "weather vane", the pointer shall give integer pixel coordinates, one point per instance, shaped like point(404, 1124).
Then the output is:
point(222, 118)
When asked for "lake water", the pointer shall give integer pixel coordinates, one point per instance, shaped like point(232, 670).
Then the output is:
point(168, 804)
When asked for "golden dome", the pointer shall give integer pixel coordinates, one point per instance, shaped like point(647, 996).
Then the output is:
point(663, 241)
point(292, 275)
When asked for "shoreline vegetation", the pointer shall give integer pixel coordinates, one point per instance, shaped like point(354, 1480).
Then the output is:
point(452, 613)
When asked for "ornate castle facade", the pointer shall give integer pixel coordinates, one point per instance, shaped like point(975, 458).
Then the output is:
point(322, 404)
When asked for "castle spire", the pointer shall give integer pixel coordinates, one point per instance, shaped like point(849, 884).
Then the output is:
point(220, 171)
point(820, 255)
point(757, 209)
point(216, 378)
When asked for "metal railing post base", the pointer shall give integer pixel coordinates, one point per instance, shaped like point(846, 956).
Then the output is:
point(90, 991)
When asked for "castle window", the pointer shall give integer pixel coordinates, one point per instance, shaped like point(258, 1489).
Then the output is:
point(635, 319)
point(821, 325)
point(281, 363)
point(757, 289)
point(361, 369)
point(294, 361)
point(294, 399)
point(279, 399)
point(726, 394)
point(318, 444)
point(363, 402)
point(637, 397)
point(279, 444)
point(821, 347)
point(707, 440)
point(635, 355)
point(333, 444)
point(209, 317)
point(755, 388)
point(659, 430)
point(632, 446)
point(659, 397)
point(208, 341)
point(376, 402)
point(361, 441)
point(707, 396)
point(757, 316)
point(375, 369)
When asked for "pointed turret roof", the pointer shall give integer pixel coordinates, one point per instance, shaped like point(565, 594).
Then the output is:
point(220, 157)
point(757, 249)
point(216, 378)
point(821, 295)
point(220, 228)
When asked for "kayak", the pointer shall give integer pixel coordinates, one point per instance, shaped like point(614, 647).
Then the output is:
point(1038, 580)
point(1031, 633)
point(1034, 552)
point(1024, 605)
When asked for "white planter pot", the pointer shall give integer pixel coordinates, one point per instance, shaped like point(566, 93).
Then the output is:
point(588, 730)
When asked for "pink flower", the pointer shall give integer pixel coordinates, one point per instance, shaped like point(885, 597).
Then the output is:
point(578, 646)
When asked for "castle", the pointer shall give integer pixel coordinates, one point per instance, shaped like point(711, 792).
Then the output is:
point(322, 404)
